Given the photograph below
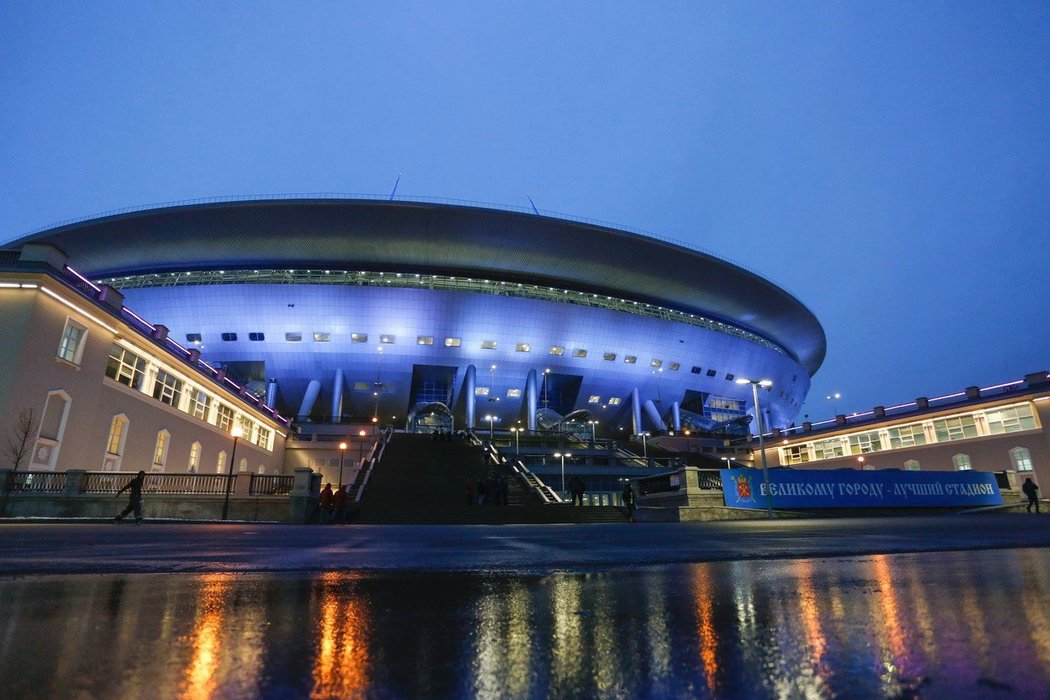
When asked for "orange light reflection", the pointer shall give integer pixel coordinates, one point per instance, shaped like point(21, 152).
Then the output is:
point(341, 664)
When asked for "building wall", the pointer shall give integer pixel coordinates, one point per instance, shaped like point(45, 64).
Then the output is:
point(31, 330)
point(985, 452)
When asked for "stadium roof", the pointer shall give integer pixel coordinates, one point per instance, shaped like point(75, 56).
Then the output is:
point(422, 237)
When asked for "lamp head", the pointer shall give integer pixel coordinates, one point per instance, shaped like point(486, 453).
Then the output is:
point(237, 431)
point(342, 446)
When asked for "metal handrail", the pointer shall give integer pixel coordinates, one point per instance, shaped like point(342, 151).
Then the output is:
point(37, 481)
point(271, 484)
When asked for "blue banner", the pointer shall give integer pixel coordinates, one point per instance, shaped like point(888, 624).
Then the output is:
point(845, 488)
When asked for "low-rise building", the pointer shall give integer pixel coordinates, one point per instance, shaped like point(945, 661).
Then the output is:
point(85, 383)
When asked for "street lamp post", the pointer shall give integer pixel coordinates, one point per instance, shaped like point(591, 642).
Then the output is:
point(593, 437)
point(563, 455)
point(491, 419)
point(361, 448)
point(516, 431)
point(236, 432)
point(761, 442)
point(645, 449)
point(342, 453)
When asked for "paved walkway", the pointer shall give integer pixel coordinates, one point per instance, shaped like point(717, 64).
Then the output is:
point(157, 547)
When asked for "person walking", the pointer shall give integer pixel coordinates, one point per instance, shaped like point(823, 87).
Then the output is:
point(134, 487)
point(628, 501)
point(1032, 491)
point(323, 509)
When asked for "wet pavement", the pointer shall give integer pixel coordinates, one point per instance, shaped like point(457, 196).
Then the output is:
point(762, 610)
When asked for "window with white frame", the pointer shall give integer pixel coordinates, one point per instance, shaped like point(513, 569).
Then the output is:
point(863, 443)
point(220, 462)
point(51, 431)
point(263, 437)
point(1010, 419)
point(160, 450)
point(71, 347)
point(167, 388)
point(195, 457)
point(907, 436)
point(223, 417)
point(796, 454)
point(118, 435)
point(125, 367)
point(911, 465)
point(962, 462)
point(199, 403)
point(828, 449)
point(955, 428)
point(1021, 459)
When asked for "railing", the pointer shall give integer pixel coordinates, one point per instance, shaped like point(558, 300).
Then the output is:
point(37, 482)
point(532, 482)
point(374, 455)
point(271, 485)
point(710, 479)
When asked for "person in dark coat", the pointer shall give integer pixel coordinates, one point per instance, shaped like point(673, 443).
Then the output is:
point(323, 511)
point(341, 505)
point(1032, 491)
point(134, 487)
point(628, 501)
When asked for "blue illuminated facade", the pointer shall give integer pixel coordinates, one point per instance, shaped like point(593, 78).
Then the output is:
point(414, 313)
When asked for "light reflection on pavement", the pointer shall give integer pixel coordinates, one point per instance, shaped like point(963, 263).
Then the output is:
point(940, 625)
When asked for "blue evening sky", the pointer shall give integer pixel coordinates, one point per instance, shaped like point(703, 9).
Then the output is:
point(888, 163)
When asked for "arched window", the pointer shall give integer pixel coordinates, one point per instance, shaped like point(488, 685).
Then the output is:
point(262, 469)
point(195, 457)
point(52, 427)
point(118, 435)
point(160, 451)
point(1021, 459)
point(220, 463)
point(243, 466)
point(962, 463)
point(911, 465)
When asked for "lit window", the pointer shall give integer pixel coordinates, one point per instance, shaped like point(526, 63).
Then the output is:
point(614, 401)
point(595, 399)
point(320, 337)
point(579, 352)
point(425, 340)
point(193, 337)
point(911, 465)
point(359, 337)
point(674, 366)
point(609, 356)
point(118, 433)
point(656, 363)
point(220, 462)
point(256, 337)
point(388, 339)
point(488, 345)
point(71, 348)
point(229, 337)
point(962, 463)
point(361, 386)
point(630, 359)
point(195, 457)
point(243, 466)
point(263, 438)
point(1021, 459)
point(293, 337)
point(557, 350)
point(453, 342)
point(160, 451)
point(513, 393)
point(481, 391)
point(523, 347)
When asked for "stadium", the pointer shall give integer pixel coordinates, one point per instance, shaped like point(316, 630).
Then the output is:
point(436, 315)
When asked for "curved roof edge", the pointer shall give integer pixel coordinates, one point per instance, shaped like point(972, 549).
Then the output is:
point(438, 234)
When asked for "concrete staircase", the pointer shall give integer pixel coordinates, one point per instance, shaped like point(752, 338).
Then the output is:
point(423, 481)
